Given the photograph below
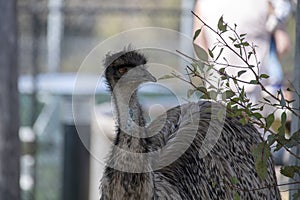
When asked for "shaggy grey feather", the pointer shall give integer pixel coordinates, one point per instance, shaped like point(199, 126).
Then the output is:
point(191, 175)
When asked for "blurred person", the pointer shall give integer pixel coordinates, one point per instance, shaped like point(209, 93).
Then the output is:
point(251, 17)
point(265, 28)
point(279, 11)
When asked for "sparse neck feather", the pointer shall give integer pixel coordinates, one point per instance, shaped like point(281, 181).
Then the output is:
point(129, 113)
point(129, 175)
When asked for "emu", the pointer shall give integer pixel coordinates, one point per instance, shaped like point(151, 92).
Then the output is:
point(143, 162)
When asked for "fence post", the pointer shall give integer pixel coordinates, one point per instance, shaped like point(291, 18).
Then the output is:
point(295, 120)
point(54, 34)
point(9, 103)
point(76, 155)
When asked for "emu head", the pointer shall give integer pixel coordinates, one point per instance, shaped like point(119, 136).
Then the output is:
point(127, 70)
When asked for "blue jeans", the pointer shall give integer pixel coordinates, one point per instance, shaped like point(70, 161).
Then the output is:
point(274, 67)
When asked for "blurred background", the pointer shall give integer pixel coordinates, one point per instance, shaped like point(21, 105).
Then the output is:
point(54, 37)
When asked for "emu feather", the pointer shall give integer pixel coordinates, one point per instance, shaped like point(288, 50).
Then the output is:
point(141, 167)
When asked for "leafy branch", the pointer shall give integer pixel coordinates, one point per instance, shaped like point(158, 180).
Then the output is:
point(231, 91)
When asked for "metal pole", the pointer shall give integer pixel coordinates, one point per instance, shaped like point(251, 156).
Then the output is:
point(76, 155)
point(295, 120)
point(54, 34)
point(9, 106)
point(186, 25)
point(34, 102)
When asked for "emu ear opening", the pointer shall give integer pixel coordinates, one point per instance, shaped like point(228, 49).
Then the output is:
point(123, 70)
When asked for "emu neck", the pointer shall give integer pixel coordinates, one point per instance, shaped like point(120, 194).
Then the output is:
point(129, 173)
point(130, 117)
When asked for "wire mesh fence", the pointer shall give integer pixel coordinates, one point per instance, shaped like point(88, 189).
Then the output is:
point(85, 24)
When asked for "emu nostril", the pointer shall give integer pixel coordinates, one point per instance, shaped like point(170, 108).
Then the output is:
point(152, 79)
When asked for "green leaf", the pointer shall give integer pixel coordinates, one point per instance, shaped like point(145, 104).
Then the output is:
point(243, 121)
point(226, 60)
point(198, 66)
point(249, 54)
point(296, 136)
point(234, 180)
point(278, 146)
point(254, 82)
point(219, 54)
point(267, 100)
point(283, 118)
point(290, 90)
point(221, 25)
point(261, 108)
point(290, 171)
point(235, 100)
point(294, 140)
point(205, 96)
point(202, 89)
point(213, 94)
point(195, 67)
point(196, 34)
point(222, 70)
point(281, 129)
point(232, 39)
point(261, 153)
point(190, 92)
point(269, 120)
point(200, 52)
point(236, 196)
point(282, 100)
point(237, 46)
point(229, 94)
point(261, 168)
point(257, 115)
point(271, 139)
point(241, 72)
point(167, 76)
point(213, 184)
point(264, 76)
point(211, 53)
point(245, 44)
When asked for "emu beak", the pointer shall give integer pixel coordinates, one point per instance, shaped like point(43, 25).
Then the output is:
point(146, 76)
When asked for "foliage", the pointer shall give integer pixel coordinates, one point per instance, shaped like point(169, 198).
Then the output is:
point(261, 153)
point(230, 90)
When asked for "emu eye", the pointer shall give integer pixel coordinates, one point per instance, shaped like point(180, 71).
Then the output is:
point(122, 70)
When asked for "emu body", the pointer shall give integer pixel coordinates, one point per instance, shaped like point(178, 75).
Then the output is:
point(141, 164)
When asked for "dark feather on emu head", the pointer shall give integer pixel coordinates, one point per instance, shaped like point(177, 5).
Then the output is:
point(117, 64)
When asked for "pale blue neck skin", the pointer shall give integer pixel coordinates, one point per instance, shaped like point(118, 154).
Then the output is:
point(128, 160)
point(129, 114)
point(128, 111)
